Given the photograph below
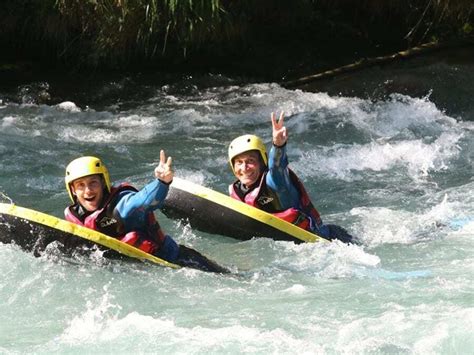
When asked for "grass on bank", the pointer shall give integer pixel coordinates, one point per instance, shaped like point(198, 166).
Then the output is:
point(121, 33)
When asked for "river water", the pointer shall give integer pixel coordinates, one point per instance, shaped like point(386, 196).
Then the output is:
point(396, 171)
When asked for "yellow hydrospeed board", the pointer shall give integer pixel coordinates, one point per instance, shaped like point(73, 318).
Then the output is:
point(33, 230)
point(213, 212)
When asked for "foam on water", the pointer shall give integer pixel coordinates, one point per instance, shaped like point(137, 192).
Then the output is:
point(170, 337)
point(324, 259)
point(68, 106)
point(74, 125)
point(380, 225)
point(418, 158)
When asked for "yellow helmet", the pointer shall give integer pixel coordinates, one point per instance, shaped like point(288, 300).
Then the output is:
point(85, 166)
point(244, 144)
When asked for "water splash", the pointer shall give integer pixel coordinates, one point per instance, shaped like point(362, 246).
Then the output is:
point(5, 199)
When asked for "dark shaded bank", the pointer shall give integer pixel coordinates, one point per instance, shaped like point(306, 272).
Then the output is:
point(445, 74)
point(264, 40)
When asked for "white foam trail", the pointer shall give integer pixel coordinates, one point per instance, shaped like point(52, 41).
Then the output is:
point(9, 121)
point(4, 198)
point(68, 106)
point(403, 330)
point(324, 259)
point(417, 157)
point(382, 119)
point(165, 334)
point(380, 225)
point(132, 128)
point(93, 321)
point(403, 114)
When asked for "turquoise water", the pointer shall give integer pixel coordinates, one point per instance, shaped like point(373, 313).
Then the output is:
point(397, 172)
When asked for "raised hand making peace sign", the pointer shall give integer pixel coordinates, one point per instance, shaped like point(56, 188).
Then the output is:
point(279, 130)
point(163, 171)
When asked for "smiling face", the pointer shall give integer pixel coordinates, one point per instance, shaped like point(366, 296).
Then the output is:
point(89, 191)
point(247, 167)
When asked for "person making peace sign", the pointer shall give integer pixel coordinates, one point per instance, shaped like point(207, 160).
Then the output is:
point(265, 182)
point(124, 213)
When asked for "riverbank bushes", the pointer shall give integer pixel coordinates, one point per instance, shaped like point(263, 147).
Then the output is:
point(259, 37)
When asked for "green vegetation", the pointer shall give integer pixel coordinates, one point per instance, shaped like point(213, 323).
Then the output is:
point(244, 36)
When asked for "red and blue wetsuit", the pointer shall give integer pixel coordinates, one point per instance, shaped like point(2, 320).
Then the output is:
point(281, 193)
point(128, 215)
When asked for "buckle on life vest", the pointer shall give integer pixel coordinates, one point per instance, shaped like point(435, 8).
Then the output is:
point(302, 221)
